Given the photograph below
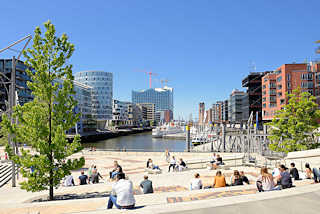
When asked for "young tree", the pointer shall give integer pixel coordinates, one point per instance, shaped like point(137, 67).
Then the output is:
point(44, 121)
point(292, 129)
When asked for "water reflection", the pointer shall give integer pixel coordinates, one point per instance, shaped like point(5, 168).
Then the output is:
point(142, 141)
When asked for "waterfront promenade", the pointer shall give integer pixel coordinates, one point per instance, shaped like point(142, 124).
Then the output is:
point(172, 192)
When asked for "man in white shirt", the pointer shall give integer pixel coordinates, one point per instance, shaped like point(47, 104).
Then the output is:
point(68, 182)
point(122, 193)
point(196, 182)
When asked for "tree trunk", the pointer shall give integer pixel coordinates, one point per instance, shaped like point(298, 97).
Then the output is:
point(50, 142)
point(51, 187)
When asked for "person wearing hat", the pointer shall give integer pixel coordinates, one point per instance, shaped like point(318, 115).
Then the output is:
point(284, 178)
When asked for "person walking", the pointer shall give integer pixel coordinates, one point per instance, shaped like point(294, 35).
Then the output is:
point(167, 155)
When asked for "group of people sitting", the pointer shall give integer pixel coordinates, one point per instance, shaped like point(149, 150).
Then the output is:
point(177, 165)
point(215, 161)
point(92, 177)
point(238, 178)
point(122, 192)
point(281, 178)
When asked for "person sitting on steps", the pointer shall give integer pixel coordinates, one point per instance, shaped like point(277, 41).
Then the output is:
point(219, 180)
point(294, 172)
point(116, 170)
point(182, 165)
point(265, 181)
point(218, 163)
point(146, 185)
point(150, 165)
point(244, 178)
point(122, 193)
point(236, 179)
point(173, 163)
point(196, 182)
point(284, 178)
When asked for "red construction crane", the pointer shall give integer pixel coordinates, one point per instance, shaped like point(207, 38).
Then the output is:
point(150, 76)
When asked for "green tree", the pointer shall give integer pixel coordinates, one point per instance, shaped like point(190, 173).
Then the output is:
point(293, 127)
point(44, 121)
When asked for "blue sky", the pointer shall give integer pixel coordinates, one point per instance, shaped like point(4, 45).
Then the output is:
point(203, 47)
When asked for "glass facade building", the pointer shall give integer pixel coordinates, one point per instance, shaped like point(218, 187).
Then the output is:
point(235, 103)
point(161, 97)
point(102, 93)
point(83, 96)
point(24, 93)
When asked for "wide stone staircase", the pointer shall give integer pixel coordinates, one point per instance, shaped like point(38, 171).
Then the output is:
point(5, 173)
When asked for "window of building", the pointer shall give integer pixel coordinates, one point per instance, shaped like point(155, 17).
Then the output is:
point(272, 105)
point(273, 99)
point(272, 85)
point(279, 86)
point(263, 99)
point(288, 77)
point(264, 86)
point(288, 85)
point(264, 105)
point(304, 84)
point(282, 101)
point(272, 92)
point(279, 79)
point(279, 94)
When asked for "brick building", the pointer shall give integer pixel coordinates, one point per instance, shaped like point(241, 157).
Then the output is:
point(201, 113)
point(283, 80)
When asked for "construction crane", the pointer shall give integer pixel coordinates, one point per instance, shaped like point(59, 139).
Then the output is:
point(165, 81)
point(150, 76)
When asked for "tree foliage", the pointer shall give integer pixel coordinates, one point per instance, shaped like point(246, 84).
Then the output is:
point(293, 128)
point(44, 121)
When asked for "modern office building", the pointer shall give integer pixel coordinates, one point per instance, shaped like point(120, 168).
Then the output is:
point(235, 106)
point(285, 79)
point(24, 93)
point(120, 114)
point(150, 111)
point(102, 93)
point(83, 95)
point(161, 97)
point(136, 114)
point(225, 112)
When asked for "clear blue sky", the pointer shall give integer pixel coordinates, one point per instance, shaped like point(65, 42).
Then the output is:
point(203, 47)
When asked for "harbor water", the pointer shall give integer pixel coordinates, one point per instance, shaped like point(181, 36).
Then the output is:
point(139, 142)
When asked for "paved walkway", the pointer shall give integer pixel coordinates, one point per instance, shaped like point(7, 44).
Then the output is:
point(307, 203)
point(170, 188)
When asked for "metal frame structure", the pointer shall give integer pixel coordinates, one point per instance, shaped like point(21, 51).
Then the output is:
point(12, 95)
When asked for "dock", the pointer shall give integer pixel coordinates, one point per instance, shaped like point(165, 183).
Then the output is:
point(107, 134)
